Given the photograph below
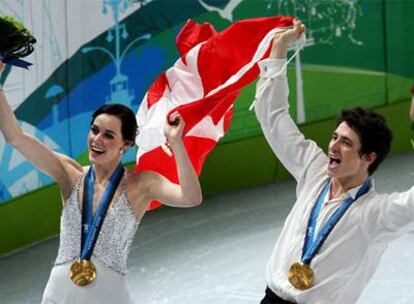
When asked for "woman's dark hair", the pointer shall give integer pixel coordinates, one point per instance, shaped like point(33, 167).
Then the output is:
point(128, 121)
point(372, 130)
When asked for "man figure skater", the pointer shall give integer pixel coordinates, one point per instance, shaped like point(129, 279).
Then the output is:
point(339, 227)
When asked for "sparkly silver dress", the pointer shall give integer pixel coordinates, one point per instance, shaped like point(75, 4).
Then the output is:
point(109, 256)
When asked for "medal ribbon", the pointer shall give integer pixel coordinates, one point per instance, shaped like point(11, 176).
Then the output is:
point(91, 226)
point(314, 243)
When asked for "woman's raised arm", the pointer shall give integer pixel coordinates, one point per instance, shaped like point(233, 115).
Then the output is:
point(60, 167)
point(188, 192)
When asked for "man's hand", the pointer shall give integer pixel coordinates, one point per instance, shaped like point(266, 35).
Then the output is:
point(283, 40)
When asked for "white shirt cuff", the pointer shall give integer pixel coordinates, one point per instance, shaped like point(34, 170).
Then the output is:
point(269, 67)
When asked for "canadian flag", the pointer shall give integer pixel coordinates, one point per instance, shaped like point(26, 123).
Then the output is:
point(202, 86)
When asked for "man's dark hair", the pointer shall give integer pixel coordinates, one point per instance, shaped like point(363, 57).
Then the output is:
point(372, 130)
point(128, 121)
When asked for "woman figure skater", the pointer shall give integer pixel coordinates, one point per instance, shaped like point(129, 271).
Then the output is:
point(102, 203)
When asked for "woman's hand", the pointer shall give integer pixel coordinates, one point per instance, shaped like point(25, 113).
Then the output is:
point(2, 66)
point(173, 131)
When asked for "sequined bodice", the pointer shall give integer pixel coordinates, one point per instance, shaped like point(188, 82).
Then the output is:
point(114, 240)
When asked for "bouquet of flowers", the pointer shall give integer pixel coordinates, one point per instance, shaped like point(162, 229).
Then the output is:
point(15, 42)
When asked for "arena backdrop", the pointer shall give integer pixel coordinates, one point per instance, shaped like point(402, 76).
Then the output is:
point(102, 51)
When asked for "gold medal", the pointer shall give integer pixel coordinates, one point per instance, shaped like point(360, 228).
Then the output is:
point(301, 276)
point(82, 272)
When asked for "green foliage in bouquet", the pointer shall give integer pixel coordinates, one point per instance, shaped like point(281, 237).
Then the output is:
point(15, 40)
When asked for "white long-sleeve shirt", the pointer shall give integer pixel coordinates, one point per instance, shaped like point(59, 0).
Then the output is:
point(351, 253)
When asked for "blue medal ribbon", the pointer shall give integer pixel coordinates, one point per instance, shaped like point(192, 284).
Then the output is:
point(312, 244)
point(91, 226)
point(15, 61)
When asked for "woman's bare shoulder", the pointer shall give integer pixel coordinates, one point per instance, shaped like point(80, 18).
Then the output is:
point(141, 176)
point(140, 183)
point(73, 171)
